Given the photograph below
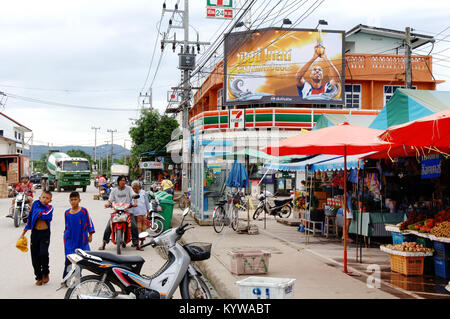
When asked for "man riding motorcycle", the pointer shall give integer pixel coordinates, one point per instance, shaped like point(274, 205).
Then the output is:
point(121, 194)
point(25, 186)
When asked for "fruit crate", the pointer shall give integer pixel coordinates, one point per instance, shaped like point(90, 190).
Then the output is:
point(442, 267)
point(399, 238)
point(442, 250)
point(409, 266)
point(425, 242)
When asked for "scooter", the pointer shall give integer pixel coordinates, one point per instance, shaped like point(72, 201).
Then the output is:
point(120, 223)
point(155, 222)
point(124, 272)
point(282, 208)
point(21, 209)
point(104, 193)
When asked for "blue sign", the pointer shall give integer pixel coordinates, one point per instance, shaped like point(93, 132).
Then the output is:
point(431, 166)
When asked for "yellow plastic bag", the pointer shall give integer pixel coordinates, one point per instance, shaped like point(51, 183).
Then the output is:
point(22, 244)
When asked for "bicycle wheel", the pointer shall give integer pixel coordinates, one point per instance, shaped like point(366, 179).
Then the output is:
point(258, 211)
point(285, 212)
point(235, 218)
point(219, 219)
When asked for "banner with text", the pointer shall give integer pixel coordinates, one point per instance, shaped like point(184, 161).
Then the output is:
point(284, 66)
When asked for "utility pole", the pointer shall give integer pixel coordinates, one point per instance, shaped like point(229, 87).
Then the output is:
point(112, 144)
point(95, 145)
point(186, 64)
point(408, 70)
point(107, 157)
point(148, 96)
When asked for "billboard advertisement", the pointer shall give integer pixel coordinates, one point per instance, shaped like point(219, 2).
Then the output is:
point(293, 66)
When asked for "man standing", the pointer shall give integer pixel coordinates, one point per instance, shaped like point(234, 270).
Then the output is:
point(318, 88)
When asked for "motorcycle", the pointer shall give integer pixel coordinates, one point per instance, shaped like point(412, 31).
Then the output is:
point(282, 207)
point(106, 190)
point(120, 223)
point(124, 272)
point(155, 222)
point(21, 209)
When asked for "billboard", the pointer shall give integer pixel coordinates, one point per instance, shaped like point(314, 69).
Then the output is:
point(293, 66)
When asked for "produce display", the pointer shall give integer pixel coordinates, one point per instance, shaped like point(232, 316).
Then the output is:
point(410, 247)
point(441, 230)
point(413, 218)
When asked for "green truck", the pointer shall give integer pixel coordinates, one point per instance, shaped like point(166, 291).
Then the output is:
point(65, 172)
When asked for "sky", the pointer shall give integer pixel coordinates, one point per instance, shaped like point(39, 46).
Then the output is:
point(95, 56)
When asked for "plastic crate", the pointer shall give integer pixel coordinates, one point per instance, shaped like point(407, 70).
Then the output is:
point(399, 238)
point(266, 288)
point(409, 266)
point(247, 262)
point(442, 267)
point(442, 249)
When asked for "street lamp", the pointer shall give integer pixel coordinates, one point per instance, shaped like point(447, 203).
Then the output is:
point(321, 22)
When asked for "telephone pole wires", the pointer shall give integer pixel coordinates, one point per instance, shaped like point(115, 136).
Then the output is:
point(112, 143)
point(95, 145)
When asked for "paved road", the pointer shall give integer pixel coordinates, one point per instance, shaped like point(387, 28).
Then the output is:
point(17, 276)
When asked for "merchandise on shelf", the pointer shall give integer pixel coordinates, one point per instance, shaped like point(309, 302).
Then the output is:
point(410, 247)
point(441, 230)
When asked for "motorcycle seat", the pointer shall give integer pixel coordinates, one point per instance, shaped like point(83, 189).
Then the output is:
point(280, 202)
point(121, 260)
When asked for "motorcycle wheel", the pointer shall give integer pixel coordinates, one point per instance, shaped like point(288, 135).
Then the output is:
point(193, 287)
point(258, 211)
point(17, 216)
point(285, 212)
point(219, 219)
point(156, 228)
point(119, 241)
point(91, 285)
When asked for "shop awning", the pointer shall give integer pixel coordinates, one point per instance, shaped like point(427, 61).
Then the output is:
point(318, 163)
point(408, 105)
point(258, 154)
point(326, 120)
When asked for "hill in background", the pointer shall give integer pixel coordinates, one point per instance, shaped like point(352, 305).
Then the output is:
point(102, 150)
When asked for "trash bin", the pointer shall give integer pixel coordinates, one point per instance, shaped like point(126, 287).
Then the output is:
point(266, 288)
point(166, 202)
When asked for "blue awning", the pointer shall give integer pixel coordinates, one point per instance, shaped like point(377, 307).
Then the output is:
point(319, 163)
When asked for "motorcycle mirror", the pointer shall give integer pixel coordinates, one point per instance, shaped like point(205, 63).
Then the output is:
point(136, 196)
point(143, 235)
point(186, 211)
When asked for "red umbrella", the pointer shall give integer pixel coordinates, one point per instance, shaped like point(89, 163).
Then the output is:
point(432, 130)
point(343, 139)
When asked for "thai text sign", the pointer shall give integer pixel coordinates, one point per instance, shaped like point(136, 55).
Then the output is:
point(431, 166)
point(284, 66)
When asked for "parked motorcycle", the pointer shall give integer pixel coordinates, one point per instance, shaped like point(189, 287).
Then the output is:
point(282, 207)
point(155, 222)
point(124, 271)
point(21, 209)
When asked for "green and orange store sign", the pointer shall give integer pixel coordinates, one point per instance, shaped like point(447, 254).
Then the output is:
point(283, 118)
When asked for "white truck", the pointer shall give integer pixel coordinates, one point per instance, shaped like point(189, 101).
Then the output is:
point(117, 170)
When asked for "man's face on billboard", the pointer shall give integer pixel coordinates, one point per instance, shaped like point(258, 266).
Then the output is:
point(316, 73)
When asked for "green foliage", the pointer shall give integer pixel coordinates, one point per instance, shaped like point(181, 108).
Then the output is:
point(151, 132)
point(80, 153)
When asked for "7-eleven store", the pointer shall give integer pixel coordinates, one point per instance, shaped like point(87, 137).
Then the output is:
point(218, 133)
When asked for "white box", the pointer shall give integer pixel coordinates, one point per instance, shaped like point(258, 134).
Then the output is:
point(266, 288)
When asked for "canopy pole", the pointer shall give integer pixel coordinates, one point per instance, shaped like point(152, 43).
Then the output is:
point(345, 210)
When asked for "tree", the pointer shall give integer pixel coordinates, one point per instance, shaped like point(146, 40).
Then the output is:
point(152, 132)
point(80, 153)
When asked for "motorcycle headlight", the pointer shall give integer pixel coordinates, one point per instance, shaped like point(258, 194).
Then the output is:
point(115, 219)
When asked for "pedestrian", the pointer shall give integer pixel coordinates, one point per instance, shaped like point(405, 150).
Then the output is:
point(78, 228)
point(39, 219)
point(121, 194)
point(348, 207)
point(167, 185)
point(142, 211)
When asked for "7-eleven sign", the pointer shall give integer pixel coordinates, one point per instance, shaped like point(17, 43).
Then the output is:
point(220, 3)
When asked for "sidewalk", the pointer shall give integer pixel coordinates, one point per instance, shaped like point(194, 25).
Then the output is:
point(317, 275)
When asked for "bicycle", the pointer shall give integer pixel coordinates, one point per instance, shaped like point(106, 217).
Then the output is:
point(221, 216)
point(184, 200)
